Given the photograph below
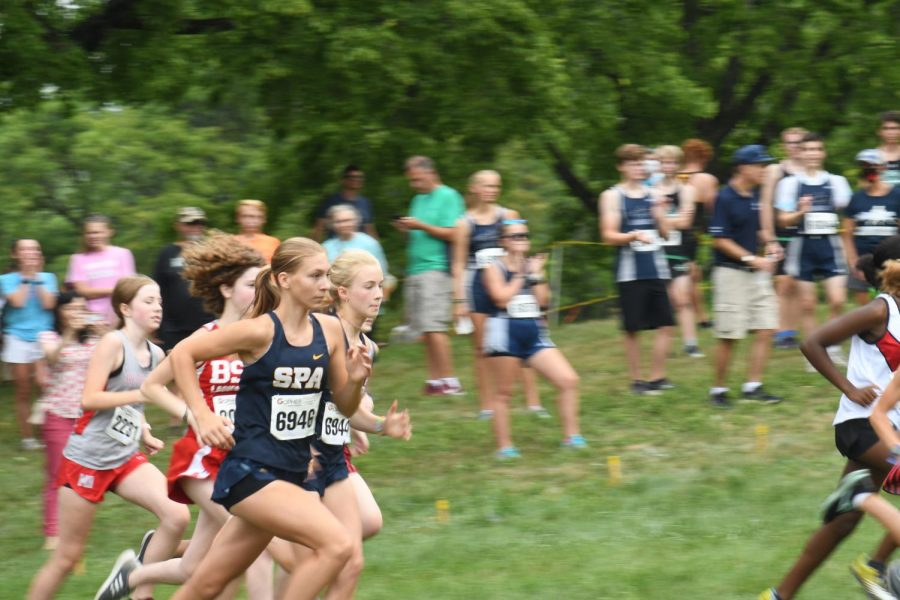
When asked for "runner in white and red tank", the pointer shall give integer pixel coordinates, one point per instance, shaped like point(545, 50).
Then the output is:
point(874, 330)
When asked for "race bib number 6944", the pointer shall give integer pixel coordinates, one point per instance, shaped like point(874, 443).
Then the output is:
point(335, 426)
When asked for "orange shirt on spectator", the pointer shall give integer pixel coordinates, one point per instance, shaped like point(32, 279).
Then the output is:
point(262, 243)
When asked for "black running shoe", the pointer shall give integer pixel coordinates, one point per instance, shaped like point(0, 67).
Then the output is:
point(116, 585)
point(762, 395)
point(720, 400)
point(661, 385)
point(643, 388)
point(841, 500)
point(145, 541)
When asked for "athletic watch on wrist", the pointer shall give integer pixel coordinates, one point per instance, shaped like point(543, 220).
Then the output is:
point(749, 258)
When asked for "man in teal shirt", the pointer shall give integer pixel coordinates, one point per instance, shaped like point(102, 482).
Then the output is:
point(429, 286)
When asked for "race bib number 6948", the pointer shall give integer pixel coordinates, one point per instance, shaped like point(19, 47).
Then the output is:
point(294, 416)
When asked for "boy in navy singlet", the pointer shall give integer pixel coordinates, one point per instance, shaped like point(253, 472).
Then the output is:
point(811, 201)
point(632, 219)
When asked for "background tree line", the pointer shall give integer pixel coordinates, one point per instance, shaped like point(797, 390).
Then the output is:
point(133, 108)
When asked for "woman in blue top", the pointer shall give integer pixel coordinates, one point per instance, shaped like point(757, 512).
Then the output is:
point(30, 299)
point(293, 360)
point(515, 333)
point(476, 246)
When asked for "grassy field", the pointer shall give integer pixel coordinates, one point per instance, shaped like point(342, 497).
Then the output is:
point(706, 509)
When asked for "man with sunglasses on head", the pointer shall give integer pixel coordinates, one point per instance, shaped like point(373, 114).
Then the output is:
point(352, 181)
point(636, 221)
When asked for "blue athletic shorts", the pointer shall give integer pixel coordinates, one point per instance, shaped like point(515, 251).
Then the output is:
point(522, 338)
point(240, 478)
point(330, 465)
point(812, 257)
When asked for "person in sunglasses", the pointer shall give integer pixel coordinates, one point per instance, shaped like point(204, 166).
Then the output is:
point(870, 218)
point(516, 333)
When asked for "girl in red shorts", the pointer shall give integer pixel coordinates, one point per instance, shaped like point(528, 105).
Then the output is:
point(103, 451)
point(223, 273)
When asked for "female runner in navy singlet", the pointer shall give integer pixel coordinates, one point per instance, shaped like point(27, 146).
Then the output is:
point(477, 245)
point(222, 272)
point(357, 290)
point(270, 483)
point(516, 333)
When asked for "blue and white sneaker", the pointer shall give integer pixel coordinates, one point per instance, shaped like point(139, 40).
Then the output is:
point(116, 585)
point(574, 441)
point(507, 453)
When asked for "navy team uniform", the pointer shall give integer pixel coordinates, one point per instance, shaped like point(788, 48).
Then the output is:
point(484, 248)
point(641, 270)
point(874, 218)
point(681, 245)
point(278, 402)
point(891, 173)
point(333, 436)
point(816, 252)
point(519, 329)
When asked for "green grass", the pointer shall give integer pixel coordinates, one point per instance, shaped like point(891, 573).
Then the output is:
point(700, 512)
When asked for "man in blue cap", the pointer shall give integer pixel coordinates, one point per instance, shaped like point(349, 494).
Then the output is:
point(811, 200)
point(745, 255)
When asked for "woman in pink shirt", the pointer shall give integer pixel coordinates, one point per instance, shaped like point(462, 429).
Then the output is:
point(93, 273)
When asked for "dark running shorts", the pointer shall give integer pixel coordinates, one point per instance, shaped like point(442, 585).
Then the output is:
point(240, 478)
point(854, 437)
point(644, 304)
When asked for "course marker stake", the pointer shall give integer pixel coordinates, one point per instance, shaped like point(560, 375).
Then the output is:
point(614, 466)
point(443, 510)
point(762, 438)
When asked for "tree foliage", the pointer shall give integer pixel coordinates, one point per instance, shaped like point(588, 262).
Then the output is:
point(291, 90)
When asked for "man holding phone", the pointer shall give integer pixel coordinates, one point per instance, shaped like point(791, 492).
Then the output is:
point(428, 290)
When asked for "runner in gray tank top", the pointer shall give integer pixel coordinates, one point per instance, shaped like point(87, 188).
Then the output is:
point(102, 454)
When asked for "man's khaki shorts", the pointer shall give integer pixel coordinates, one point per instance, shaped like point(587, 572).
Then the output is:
point(743, 301)
point(428, 298)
